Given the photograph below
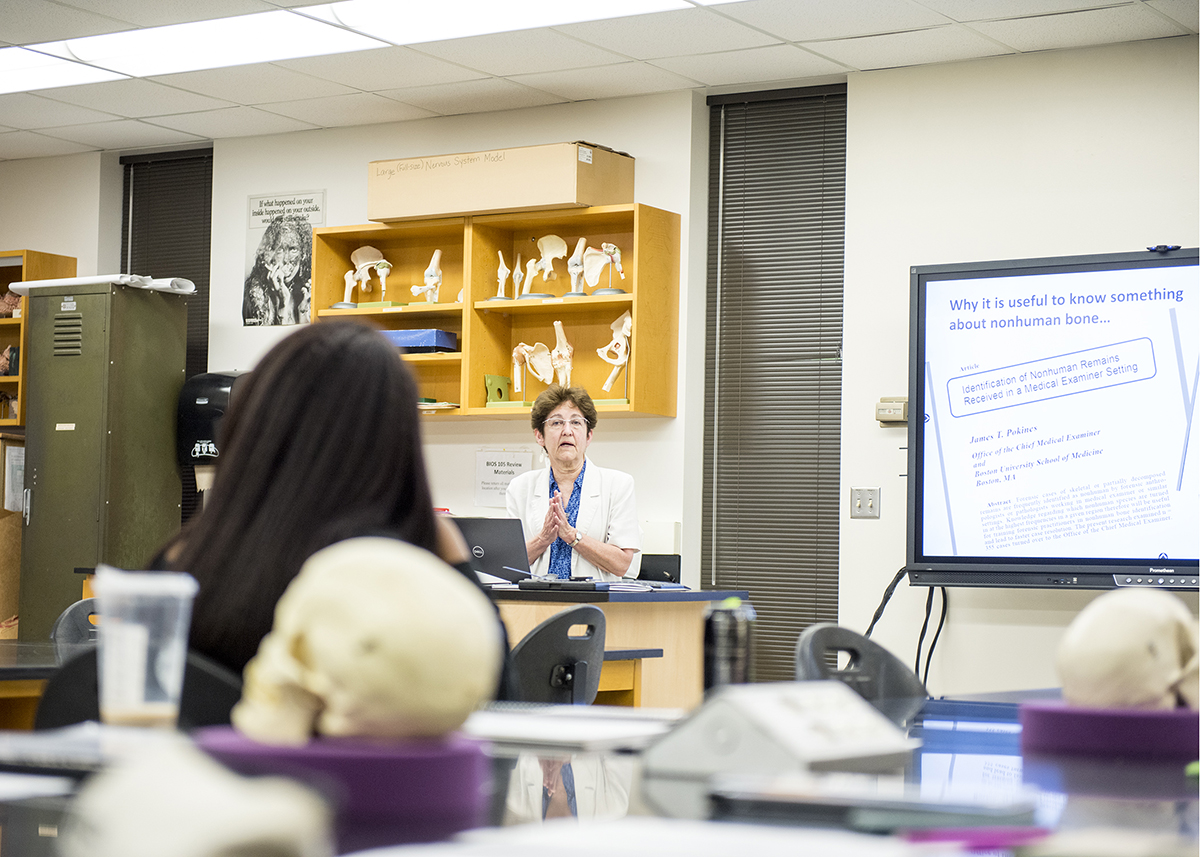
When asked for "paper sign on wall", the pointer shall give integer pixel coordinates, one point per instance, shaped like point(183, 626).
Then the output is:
point(494, 469)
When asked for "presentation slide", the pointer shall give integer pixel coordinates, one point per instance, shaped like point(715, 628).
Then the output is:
point(1060, 415)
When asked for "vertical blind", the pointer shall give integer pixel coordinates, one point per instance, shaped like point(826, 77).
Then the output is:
point(773, 376)
point(166, 232)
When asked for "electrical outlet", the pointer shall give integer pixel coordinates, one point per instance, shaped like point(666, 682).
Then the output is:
point(864, 502)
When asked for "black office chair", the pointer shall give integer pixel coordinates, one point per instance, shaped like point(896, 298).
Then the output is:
point(872, 671)
point(72, 694)
point(551, 665)
point(660, 566)
point(74, 625)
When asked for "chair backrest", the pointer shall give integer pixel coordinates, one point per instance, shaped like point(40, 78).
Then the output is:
point(72, 694)
point(74, 625)
point(550, 664)
point(874, 672)
point(660, 566)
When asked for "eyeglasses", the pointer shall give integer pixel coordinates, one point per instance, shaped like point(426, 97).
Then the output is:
point(575, 424)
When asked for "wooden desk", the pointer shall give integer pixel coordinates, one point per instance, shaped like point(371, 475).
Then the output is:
point(671, 620)
point(24, 668)
point(621, 676)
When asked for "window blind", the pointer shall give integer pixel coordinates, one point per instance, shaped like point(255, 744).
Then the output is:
point(166, 232)
point(773, 350)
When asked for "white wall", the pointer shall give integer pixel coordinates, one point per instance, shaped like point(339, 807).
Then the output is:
point(660, 133)
point(1084, 151)
point(54, 205)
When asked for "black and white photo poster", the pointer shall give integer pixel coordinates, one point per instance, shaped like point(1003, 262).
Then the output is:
point(278, 285)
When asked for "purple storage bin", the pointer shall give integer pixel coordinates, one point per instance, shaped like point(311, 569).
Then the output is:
point(1055, 727)
point(417, 341)
point(383, 792)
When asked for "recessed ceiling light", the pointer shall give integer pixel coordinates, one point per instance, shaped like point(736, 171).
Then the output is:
point(23, 71)
point(216, 43)
point(435, 20)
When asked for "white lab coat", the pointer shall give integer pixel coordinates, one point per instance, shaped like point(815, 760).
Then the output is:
point(607, 513)
point(602, 785)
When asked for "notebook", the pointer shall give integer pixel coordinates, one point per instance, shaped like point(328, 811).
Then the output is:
point(497, 546)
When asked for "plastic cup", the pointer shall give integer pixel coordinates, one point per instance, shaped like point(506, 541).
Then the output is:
point(144, 621)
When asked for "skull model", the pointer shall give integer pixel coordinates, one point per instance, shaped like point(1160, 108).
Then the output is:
point(374, 638)
point(1130, 648)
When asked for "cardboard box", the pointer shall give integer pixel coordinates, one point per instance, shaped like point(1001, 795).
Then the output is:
point(557, 175)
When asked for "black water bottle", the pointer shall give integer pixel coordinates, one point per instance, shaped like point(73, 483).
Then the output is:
point(728, 631)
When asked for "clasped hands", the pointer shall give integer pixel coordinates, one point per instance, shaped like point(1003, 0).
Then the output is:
point(556, 524)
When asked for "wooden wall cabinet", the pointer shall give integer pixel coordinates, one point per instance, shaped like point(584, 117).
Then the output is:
point(489, 330)
point(18, 266)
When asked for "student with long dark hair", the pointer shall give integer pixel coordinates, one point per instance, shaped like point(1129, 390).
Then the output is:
point(321, 443)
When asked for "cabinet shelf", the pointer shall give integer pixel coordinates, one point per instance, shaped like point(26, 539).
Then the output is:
point(17, 266)
point(489, 330)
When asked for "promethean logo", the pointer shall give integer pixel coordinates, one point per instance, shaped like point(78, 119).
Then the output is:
point(1161, 570)
point(477, 551)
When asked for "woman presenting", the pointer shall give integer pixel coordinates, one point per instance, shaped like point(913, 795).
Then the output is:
point(580, 520)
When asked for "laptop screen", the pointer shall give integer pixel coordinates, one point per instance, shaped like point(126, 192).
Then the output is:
point(497, 546)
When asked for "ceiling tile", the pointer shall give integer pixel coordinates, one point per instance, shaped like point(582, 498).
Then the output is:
point(232, 122)
point(987, 10)
point(22, 110)
point(1077, 29)
point(253, 84)
point(121, 134)
point(669, 34)
point(473, 96)
point(26, 22)
point(381, 68)
point(610, 81)
point(133, 98)
point(803, 20)
point(1186, 12)
point(522, 52)
point(781, 62)
point(157, 13)
point(26, 144)
point(340, 110)
point(941, 44)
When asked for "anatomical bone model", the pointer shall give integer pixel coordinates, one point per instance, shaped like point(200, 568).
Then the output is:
point(537, 358)
point(364, 259)
point(517, 276)
point(616, 352)
point(560, 357)
point(1131, 648)
point(575, 267)
point(550, 247)
point(501, 277)
point(433, 279)
point(531, 269)
point(594, 262)
point(374, 638)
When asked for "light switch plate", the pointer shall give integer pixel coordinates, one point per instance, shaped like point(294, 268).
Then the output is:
point(864, 502)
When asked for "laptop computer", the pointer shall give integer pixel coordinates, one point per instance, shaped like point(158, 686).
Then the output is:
point(497, 547)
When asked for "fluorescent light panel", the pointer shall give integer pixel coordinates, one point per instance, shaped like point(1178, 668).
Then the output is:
point(261, 37)
point(334, 28)
point(22, 71)
point(435, 20)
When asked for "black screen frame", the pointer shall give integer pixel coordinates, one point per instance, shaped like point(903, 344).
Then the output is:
point(1018, 572)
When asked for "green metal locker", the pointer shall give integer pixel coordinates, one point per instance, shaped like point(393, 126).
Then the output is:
point(104, 371)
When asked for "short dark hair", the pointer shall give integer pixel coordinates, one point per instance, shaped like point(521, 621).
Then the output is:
point(555, 395)
point(321, 443)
